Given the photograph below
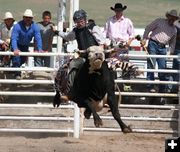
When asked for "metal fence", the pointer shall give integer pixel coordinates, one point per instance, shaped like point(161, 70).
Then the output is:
point(171, 119)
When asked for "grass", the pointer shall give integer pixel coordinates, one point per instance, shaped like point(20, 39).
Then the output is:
point(141, 12)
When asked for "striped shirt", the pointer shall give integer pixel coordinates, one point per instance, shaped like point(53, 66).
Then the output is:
point(161, 32)
point(120, 30)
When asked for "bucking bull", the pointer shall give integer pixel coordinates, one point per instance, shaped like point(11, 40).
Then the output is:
point(93, 85)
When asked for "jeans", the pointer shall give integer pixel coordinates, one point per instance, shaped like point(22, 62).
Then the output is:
point(17, 61)
point(43, 61)
point(155, 49)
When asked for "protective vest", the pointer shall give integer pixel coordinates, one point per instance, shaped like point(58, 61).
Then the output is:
point(84, 38)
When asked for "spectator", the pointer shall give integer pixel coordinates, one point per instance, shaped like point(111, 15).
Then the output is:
point(6, 29)
point(47, 33)
point(5, 35)
point(118, 28)
point(176, 62)
point(120, 31)
point(91, 22)
point(22, 34)
point(160, 33)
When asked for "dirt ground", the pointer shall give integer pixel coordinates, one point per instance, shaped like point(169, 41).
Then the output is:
point(118, 142)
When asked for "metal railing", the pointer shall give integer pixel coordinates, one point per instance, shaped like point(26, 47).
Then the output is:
point(76, 116)
point(75, 119)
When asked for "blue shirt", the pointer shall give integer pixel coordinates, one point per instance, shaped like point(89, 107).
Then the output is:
point(21, 37)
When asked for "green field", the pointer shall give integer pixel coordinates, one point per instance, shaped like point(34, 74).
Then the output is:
point(141, 12)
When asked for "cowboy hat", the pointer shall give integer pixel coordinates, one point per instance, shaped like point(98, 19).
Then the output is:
point(118, 7)
point(172, 13)
point(8, 15)
point(28, 13)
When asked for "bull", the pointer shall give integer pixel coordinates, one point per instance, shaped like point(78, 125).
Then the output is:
point(94, 87)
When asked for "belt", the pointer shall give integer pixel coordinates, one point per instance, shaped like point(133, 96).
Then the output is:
point(158, 43)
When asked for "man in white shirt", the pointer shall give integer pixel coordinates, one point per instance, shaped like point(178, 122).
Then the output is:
point(6, 29)
point(120, 31)
point(5, 34)
point(118, 28)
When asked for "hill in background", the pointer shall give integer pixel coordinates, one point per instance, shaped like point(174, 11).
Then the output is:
point(141, 12)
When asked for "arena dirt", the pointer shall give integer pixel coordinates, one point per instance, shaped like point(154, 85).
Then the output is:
point(118, 142)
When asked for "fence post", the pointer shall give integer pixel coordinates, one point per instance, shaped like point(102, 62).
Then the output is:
point(61, 18)
point(71, 11)
point(75, 5)
point(179, 116)
point(76, 121)
point(179, 102)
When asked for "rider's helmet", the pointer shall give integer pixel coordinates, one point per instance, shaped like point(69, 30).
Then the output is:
point(80, 14)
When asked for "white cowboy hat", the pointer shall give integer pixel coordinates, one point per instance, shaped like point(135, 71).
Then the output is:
point(28, 13)
point(172, 13)
point(8, 15)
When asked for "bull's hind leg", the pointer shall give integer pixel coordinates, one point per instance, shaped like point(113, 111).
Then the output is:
point(97, 119)
point(115, 112)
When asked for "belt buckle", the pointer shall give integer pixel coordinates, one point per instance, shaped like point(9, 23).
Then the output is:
point(161, 45)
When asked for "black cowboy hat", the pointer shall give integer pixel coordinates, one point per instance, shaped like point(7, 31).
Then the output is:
point(118, 7)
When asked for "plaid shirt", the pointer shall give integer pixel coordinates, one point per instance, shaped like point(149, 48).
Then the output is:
point(162, 32)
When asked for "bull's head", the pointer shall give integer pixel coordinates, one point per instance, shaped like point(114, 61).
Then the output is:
point(96, 57)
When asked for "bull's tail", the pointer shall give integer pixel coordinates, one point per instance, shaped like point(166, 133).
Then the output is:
point(120, 97)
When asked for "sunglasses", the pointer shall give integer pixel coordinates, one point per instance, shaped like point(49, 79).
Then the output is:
point(27, 17)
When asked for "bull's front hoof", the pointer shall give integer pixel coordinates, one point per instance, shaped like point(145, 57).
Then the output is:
point(127, 129)
point(87, 114)
point(57, 100)
point(98, 123)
